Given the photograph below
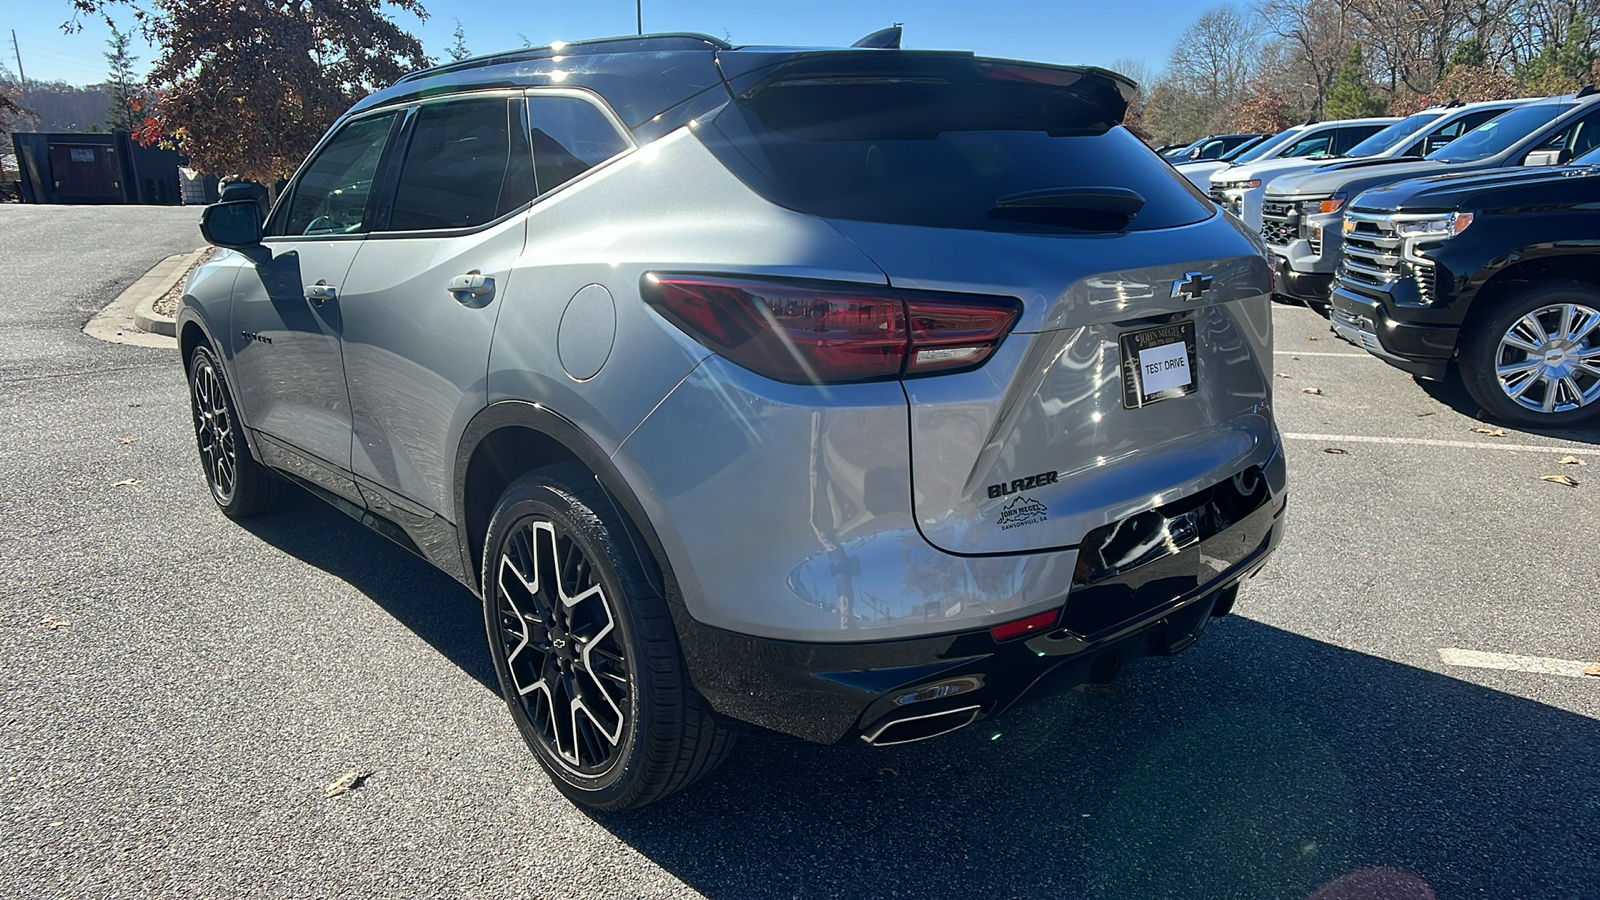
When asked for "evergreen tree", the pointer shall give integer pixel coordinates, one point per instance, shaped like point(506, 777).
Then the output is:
point(1351, 98)
point(458, 50)
point(127, 94)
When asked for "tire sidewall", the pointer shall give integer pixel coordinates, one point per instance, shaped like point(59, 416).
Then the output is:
point(1480, 352)
point(202, 357)
point(527, 501)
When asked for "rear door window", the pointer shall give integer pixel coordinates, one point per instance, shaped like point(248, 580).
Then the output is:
point(570, 136)
point(940, 144)
point(455, 166)
point(1345, 138)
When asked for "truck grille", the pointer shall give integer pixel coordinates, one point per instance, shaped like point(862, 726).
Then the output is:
point(1373, 257)
point(1280, 223)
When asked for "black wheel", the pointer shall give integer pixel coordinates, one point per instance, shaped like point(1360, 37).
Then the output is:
point(241, 486)
point(1532, 357)
point(585, 649)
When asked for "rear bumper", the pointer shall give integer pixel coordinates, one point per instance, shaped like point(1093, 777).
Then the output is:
point(1422, 350)
point(827, 692)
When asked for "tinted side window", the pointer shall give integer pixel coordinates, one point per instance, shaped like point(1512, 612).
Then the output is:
point(1578, 138)
point(1317, 145)
point(455, 166)
point(1345, 138)
point(330, 196)
point(570, 136)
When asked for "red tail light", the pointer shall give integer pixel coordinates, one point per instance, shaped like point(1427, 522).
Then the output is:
point(826, 333)
point(1041, 622)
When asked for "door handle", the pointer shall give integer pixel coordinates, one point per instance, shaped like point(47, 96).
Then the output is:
point(471, 286)
point(321, 292)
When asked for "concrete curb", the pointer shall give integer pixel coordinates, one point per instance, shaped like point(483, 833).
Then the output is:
point(131, 318)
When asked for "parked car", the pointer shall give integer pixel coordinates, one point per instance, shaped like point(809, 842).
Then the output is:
point(1309, 244)
point(764, 385)
point(1215, 146)
point(1297, 231)
point(1199, 171)
point(1238, 189)
point(1498, 271)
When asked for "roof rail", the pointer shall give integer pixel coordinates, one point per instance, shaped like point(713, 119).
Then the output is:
point(642, 42)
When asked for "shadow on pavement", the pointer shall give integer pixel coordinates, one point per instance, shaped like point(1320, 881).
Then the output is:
point(1259, 764)
point(1451, 393)
point(430, 603)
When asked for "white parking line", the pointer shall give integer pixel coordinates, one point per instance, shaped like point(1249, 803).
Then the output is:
point(1432, 442)
point(1321, 353)
point(1510, 662)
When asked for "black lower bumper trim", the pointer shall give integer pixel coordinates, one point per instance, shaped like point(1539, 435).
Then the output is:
point(1302, 286)
point(825, 691)
point(1422, 350)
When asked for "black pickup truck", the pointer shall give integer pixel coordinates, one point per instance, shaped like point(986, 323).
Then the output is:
point(1497, 272)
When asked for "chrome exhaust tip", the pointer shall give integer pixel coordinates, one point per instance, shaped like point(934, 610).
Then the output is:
point(919, 728)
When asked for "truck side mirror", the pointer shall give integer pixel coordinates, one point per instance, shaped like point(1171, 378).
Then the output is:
point(235, 224)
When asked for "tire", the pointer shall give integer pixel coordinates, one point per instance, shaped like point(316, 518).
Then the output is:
point(1532, 357)
point(602, 698)
point(240, 486)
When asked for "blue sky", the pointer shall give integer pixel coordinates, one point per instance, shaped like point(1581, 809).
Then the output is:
point(1062, 31)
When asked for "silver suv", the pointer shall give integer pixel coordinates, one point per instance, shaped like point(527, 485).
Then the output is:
point(845, 393)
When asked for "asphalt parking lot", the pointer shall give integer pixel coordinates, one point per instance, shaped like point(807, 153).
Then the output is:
point(175, 737)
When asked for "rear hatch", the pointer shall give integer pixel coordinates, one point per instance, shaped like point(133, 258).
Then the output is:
point(961, 174)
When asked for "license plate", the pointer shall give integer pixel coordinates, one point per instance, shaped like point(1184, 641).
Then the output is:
point(1158, 364)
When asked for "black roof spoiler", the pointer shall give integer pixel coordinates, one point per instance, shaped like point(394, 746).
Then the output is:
point(630, 43)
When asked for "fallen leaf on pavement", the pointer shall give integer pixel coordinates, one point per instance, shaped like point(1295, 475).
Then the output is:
point(127, 440)
point(1425, 415)
point(52, 623)
point(1558, 479)
point(348, 782)
point(1491, 432)
point(1591, 670)
point(1280, 374)
point(1570, 460)
point(1294, 357)
point(1310, 338)
point(1337, 450)
point(125, 482)
point(1311, 390)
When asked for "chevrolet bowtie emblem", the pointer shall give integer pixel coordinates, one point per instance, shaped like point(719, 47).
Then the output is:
point(1191, 286)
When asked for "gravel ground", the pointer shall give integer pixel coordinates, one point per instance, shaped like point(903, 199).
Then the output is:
point(175, 737)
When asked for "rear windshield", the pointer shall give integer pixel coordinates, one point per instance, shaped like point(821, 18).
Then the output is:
point(1390, 137)
point(941, 149)
point(1499, 133)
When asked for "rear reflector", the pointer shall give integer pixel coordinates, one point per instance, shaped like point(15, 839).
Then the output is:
point(1041, 622)
point(832, 333)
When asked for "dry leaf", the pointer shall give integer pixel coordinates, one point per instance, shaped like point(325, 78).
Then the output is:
point(1558, 479)
point(348, 782)
point(1425, 415)
point(1570, 460)
point(1337, 450)
point(1592, 670)
point(1280, 374)
point(1294, 357)
point(125, 482)
point(1311, 390)
point(1310, 338)
point(127, 440)
point(52, 623)
point(1491, 432)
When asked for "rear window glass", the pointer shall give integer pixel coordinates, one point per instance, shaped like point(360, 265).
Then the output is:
point(925, 149)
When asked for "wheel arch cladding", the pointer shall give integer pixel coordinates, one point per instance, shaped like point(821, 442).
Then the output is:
point(511, 438)
point(190, 337)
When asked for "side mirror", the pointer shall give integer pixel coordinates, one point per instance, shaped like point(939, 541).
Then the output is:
point(234, 224)
point(1543, 158)
point(1434, 143)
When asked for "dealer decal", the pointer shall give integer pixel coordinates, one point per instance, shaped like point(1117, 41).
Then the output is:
point(1021, 484)
point(1021, 511)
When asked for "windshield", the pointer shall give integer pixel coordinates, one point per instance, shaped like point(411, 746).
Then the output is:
point(1238, 151)
point(1393, 136)
point(1269, 145)
point(1499, 133)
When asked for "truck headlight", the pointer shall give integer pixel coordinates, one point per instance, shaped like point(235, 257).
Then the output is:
point(1434, 227)
point(1324, 206)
